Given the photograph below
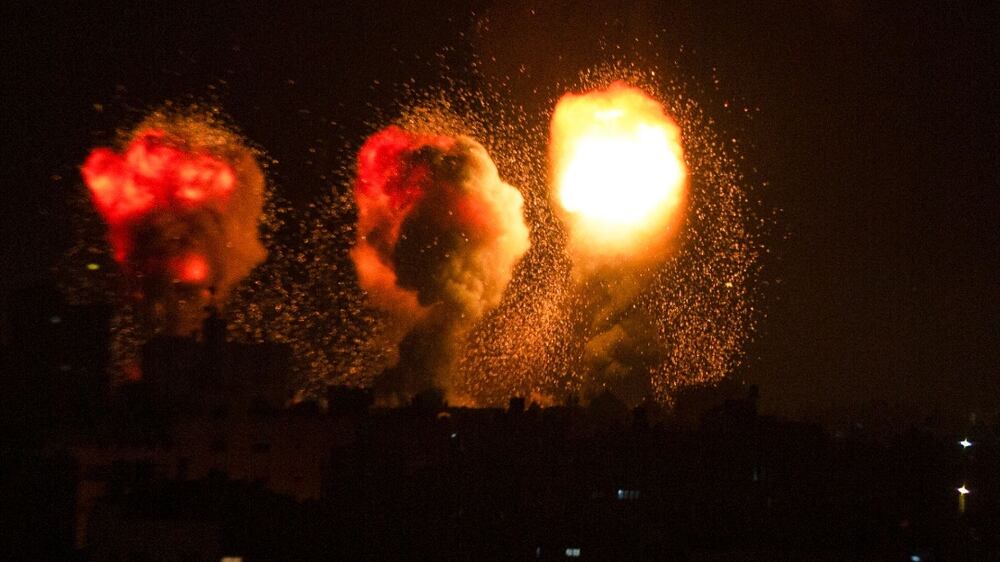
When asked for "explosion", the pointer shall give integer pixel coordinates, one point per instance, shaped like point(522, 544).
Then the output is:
point(619, 176)
point(439, 234)
point(618, 170)
point(181, 203)
point(637, 280)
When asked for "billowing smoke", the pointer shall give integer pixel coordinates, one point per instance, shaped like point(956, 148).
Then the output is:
point(619, 179)
point(182, 202)
point(439, 234)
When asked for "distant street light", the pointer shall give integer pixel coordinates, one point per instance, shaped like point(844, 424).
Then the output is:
point(965, 443)
point(962, 492)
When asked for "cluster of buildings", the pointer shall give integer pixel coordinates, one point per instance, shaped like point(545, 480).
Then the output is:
point(204, 458)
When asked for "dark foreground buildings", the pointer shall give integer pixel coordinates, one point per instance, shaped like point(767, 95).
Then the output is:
point(204, 460)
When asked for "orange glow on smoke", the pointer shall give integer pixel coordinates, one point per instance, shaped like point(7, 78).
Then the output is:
point(617, 166)
point(387, 191)
point(153, 173)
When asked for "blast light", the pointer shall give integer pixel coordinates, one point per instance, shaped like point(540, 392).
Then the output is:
point(618, 167)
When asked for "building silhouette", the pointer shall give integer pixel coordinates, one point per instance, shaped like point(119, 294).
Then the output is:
point(206, 457)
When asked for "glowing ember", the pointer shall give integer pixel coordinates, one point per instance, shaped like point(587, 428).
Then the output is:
point(617, 164)
point(191, 268)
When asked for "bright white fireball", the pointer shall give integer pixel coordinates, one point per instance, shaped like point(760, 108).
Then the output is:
point(617, 165)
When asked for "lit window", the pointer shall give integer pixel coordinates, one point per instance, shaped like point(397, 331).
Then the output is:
point(628, 494)
point(572, 553)
point(232, 559)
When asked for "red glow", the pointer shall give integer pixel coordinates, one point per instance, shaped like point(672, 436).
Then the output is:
point(154, 172)
point(380, 173)
point(132, 371)
point(191, 268)
point(392, 180)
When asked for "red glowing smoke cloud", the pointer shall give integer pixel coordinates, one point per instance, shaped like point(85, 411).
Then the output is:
point(181, 202)
point(153, 175)
point(439, 234)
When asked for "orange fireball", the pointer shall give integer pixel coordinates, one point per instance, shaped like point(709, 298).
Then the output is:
point(617, 169)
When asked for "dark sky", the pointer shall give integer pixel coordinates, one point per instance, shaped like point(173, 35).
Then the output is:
point(877, 134)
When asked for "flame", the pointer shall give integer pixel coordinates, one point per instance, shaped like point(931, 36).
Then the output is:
point(154, 173)
point(617, 166)
point(181, 202)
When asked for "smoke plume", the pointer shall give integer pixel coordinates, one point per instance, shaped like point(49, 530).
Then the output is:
point(439, 234)
point(182, 202)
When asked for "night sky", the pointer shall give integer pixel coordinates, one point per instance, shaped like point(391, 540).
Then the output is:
point(876, 135)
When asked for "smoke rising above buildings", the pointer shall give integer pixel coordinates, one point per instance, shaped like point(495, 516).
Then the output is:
point(439, 234)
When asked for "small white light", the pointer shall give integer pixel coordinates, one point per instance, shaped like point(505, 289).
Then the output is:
point(963, 490)
point(55, 319)
point(454, 436)
point(965, 443)
point(915, 558)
